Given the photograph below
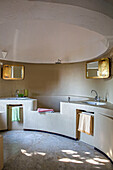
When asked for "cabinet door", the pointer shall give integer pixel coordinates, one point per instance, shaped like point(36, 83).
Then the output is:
point(104, 134)
point(3, 121)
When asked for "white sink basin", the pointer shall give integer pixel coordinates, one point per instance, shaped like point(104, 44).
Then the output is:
point(15, 98)
point(95, 103)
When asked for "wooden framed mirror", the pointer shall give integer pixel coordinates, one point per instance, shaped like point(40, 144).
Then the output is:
point(13, 72)
point(99, 68)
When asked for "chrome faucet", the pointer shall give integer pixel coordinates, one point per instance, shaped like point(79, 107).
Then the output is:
point(96, 97)
point(68, 99)
point(17, 92)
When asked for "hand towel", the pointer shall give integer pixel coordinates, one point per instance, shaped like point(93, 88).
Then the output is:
point(45, 110)
point(85, 123)
point(15, 114)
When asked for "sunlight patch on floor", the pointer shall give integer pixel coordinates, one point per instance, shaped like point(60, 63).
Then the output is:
point(82, 158)
point(26, 153)
point(70, 160)
point(88, 153)
point(75, 156)
point(101, 160)
point(69, 151)
point(40, 153)
point(32, 153)
point(23, 151)
point(91, 161)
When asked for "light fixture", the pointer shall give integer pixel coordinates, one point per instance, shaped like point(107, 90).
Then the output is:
point(4, 54)
point(58, 62)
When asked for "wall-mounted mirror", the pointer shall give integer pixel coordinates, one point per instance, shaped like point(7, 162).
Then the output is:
point(13, 72)
point(98, 68)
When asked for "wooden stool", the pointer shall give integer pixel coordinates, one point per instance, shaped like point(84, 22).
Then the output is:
point(1, 152)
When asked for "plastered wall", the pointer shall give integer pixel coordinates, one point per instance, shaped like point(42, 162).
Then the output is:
point(57, 80)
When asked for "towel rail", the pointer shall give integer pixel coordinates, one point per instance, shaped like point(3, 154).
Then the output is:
point(15, 105)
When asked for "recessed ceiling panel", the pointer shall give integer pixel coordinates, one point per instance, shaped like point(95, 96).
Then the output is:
point(48, 41)
point(40, 32)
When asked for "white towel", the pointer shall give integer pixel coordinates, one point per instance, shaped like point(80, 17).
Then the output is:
point(85, 123)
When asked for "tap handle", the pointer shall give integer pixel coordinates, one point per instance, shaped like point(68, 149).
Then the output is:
point(68, 99)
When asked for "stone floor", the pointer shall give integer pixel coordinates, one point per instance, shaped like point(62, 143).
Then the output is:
point(30, 150)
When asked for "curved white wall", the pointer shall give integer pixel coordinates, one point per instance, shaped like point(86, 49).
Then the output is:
point(57, 80)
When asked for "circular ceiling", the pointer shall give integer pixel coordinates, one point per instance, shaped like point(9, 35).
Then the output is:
point(41, 32)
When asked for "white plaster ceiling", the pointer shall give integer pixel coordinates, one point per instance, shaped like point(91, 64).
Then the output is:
point(43, 32)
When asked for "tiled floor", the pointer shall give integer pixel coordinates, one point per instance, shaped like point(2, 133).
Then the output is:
point(29, 150)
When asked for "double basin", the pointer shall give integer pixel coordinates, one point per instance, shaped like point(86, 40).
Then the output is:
point(26, 98)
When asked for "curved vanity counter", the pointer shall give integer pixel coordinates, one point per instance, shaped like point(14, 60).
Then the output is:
point(28, 105)
point(52, 122)
point(65, 122)
point(102, 137)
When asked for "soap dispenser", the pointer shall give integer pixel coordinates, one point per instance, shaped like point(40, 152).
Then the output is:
point(25, 92)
